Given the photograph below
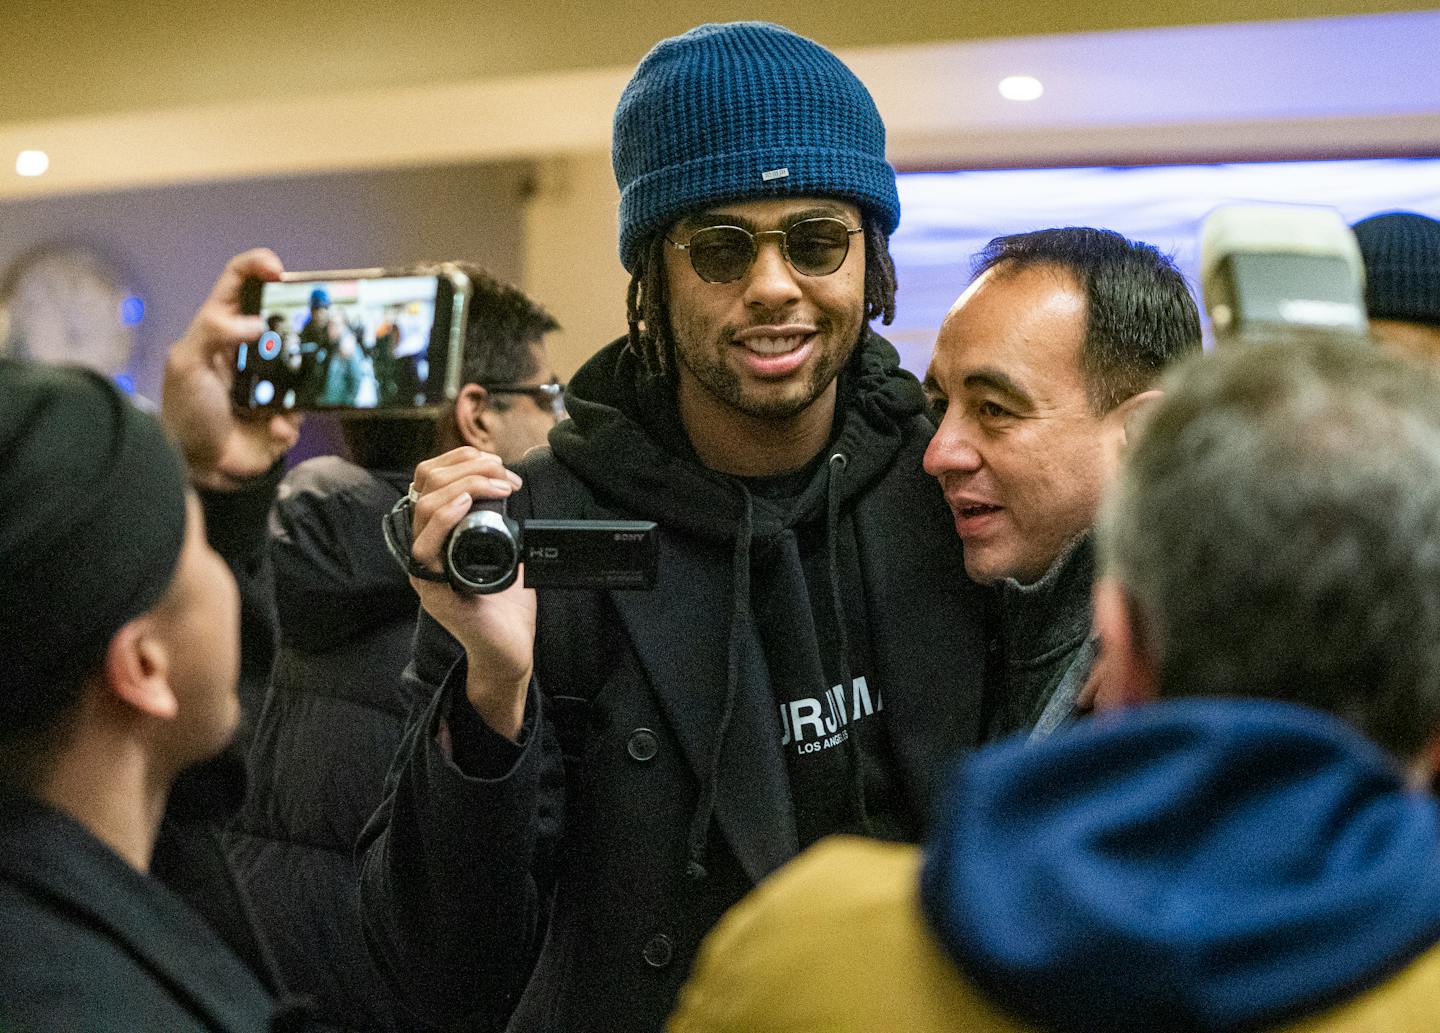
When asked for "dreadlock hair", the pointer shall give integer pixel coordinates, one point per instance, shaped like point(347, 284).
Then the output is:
point(647, 307)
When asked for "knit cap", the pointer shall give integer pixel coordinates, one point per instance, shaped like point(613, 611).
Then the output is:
point(738, 112)
point(92, 519)
point(1402, 266)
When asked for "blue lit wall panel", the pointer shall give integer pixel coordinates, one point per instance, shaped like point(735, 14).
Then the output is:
point(948, 216)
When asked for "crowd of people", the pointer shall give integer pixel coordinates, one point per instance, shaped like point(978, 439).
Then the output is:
point(1091, 684)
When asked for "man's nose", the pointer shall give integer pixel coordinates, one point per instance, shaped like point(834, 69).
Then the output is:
point(952, 449)
point(771, 283)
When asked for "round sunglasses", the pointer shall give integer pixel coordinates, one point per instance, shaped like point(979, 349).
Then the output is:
point(813, 247)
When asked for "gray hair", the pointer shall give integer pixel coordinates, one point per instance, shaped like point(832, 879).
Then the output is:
point(1277, 529)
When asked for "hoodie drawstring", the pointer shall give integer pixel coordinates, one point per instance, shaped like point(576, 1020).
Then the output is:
point(739, 608)
point(835, 466)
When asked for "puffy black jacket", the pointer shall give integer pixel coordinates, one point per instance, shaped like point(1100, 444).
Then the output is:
point(332, 718)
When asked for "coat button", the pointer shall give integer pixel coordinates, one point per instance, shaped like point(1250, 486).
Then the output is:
point(659, 950)
point(642, 745)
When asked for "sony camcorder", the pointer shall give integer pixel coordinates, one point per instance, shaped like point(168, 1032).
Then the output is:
point(484, 551)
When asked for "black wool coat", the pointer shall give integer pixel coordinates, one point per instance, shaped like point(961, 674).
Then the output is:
point(89, 943)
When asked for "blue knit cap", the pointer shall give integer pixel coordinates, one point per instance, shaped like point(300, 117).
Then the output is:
point(741, 112)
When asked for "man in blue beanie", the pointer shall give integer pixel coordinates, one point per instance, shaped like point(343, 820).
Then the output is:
point(599, 775)
point(118, 667)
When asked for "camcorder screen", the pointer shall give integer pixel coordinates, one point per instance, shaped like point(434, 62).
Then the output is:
point(359, 343)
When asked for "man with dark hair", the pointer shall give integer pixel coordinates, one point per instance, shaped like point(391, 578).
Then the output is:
point(602, 773)
point(345, 614)
point(1402, 281)
point(118, 647)
point(1038, 371)
point(1257, 849)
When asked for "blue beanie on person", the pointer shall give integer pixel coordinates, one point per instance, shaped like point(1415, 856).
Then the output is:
point(740, 112)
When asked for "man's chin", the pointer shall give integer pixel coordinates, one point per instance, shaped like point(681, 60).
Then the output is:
point(778, 408)
point(984, 569)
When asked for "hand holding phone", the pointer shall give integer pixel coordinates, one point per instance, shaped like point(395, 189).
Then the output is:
point(360, 339)
point(223, 448)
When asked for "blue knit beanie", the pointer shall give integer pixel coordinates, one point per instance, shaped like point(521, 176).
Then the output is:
point(1402, 266)
point(742, 112)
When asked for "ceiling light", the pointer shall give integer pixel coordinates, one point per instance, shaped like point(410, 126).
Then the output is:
point(32, 163)
point(1021, 87)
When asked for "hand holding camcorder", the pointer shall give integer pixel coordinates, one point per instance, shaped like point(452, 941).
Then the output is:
point(483, 552)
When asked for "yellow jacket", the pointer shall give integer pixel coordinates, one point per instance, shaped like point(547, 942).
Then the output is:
point(835, 943)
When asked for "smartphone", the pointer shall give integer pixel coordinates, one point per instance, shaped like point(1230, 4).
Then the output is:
point(355, 339)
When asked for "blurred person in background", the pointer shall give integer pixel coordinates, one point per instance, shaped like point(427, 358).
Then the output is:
point(315, 345)
point(1402, 281)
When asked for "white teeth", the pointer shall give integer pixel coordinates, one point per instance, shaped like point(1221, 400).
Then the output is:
point(773, 345)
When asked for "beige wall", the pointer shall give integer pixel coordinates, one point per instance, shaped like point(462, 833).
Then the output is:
point(61, 58)
point(571, 258)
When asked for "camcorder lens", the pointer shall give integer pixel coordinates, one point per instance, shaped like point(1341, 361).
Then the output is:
point(481, 555)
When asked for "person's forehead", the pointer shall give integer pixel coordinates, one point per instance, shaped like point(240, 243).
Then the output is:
point(770, 211)
point(1029, 322)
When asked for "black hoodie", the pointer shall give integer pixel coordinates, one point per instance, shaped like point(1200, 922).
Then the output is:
point(674, 794)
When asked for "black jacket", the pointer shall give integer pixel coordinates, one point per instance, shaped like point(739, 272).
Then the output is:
point(89, 943)
point(332, 719)
point(591, 847)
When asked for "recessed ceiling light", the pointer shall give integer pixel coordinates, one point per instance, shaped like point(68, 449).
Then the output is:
point(1021, 87)
point(32, 163)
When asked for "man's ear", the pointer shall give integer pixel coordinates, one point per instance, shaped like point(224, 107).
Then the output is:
point(1124, 674)
point(1130, 415)
point(475, 420)
point(137, 670)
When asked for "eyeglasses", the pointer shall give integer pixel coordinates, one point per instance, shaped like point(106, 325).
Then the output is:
point(813, 247)
point(549, 396)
